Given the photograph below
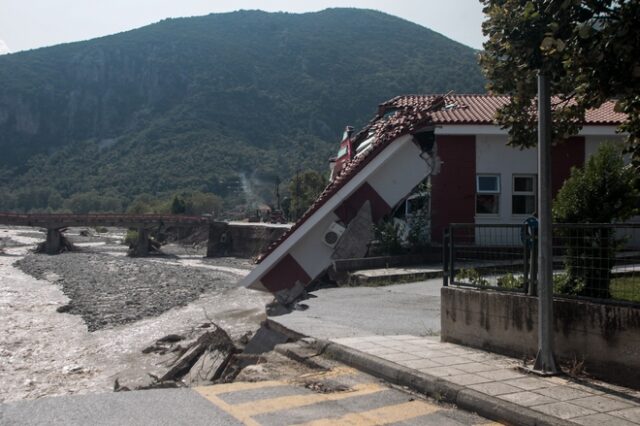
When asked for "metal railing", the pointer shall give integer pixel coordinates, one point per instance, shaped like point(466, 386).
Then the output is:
point(592, 261)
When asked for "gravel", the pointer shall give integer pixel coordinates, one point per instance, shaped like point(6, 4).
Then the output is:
point(108, 291)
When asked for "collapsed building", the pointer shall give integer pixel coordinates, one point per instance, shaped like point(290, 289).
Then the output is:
point(451, 145)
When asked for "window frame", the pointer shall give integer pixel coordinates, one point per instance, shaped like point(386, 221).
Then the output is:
point(496, 193)
point(533, 193)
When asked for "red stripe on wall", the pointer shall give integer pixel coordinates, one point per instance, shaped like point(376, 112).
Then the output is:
point(564, 156)
point(285, 274)
point(350, 207)
point(453, 189)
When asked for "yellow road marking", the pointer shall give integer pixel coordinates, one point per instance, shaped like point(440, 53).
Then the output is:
point(238, 386)
point(246, 419)
point(380, 416)
point(289, 402)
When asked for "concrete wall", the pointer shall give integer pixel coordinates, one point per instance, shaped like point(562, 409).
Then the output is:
point(605, 337)
point(241, 240)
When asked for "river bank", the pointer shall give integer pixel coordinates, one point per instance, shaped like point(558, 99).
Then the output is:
point(113, 308)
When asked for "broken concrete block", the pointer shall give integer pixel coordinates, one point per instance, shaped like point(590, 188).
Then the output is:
point(208, 367)
point(355, 240)
point(264, 340)
point(288, 296)
point(213, 340)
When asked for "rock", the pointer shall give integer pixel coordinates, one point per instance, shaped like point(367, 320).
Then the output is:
point(170, 338)
point(64, 308)
point(133, 379)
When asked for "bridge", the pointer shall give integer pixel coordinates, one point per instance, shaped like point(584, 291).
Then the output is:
point(55, 224)
point(225, 239)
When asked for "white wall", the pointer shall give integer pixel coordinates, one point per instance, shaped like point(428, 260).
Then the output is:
point(493, 156)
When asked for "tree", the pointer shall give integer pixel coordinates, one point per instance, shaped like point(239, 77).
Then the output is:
point(587, 48)
point(178, 205)
point(200, 202)
point(304, 188)
point(604, 191)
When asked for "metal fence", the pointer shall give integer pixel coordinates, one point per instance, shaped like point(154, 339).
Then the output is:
point(593, 261)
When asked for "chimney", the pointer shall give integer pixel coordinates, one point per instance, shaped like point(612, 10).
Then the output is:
point(348, 131)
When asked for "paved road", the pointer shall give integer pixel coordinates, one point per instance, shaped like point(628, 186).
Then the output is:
point(362, 311)
point(340, 395)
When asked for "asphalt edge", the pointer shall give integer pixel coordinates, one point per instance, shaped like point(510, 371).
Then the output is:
point(438, 388)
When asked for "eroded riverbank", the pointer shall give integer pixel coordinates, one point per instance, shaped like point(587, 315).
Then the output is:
point(44, 352)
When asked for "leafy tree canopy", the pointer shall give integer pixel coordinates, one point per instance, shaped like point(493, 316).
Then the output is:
point(304, 189)
point(587, 48)
point(604, 191)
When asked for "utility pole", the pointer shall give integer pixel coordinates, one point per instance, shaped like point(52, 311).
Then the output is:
point(297, 210)
point(278, 193)
point(545, 362)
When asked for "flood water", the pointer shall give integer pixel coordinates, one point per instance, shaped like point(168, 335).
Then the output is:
point(46, 353)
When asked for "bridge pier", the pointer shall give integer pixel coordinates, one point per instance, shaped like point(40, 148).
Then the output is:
point(142, 245)
point(219, 243)
point(53, 244)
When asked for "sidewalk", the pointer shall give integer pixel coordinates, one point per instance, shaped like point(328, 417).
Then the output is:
point(489, 384)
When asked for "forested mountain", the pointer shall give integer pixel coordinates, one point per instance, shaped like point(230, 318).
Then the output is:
point(217, 103)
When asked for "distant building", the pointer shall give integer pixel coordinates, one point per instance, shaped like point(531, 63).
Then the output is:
point(454, 144)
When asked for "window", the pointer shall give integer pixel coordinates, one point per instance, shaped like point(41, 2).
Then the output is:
point(487, 194)
point(342, 151)
point(523, 199)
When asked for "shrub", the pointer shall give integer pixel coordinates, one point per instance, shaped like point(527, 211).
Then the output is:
point(510, 281)
point(604, 191)
point(388, 234)
point(472, 276)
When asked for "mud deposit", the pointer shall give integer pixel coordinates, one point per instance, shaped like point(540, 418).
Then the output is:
point(108, 291)
point(130, 303)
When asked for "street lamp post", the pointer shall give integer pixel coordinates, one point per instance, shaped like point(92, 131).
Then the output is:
point(545, 363)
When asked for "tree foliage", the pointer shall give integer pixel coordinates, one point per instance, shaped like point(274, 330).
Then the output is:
point(587, 48)
point(304, 189)
point(604, 191)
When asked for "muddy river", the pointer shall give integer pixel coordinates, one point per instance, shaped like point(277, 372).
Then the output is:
point(126, 303)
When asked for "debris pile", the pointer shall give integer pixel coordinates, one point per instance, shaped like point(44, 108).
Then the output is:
point(210, 358)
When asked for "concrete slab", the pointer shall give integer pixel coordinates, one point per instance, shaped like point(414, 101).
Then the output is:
point(563, 410)
point(563, 393)
point(602, 420)
point(601, 403)
point(527, 399)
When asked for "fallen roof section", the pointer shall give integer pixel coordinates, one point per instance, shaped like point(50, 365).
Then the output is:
point(282, 265)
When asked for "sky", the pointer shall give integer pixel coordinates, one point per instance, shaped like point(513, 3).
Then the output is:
point(29, 24)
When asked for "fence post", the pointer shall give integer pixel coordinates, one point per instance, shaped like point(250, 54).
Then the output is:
point(525, 257)
point(452, 273)
point(445, 256)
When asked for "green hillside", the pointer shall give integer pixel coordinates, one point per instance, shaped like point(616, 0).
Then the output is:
point(222, 103)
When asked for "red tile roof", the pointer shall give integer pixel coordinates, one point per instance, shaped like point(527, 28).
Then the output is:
point(406, 114)
point(481, 109)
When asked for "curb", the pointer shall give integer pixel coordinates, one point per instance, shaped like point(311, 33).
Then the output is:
point(487, 406)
